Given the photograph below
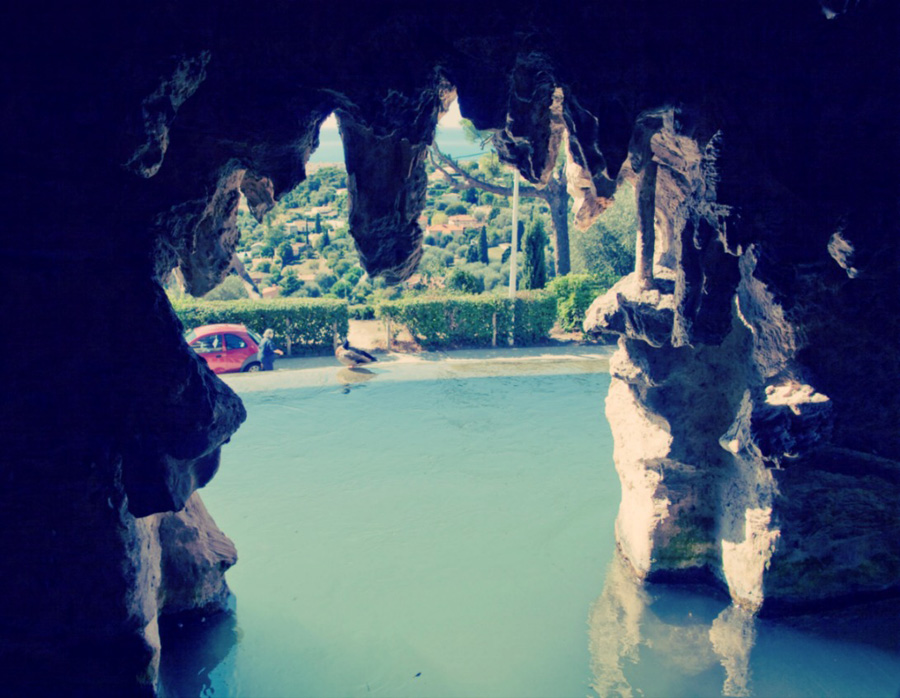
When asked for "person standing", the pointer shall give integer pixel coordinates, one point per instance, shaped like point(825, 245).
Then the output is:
point(267, 350)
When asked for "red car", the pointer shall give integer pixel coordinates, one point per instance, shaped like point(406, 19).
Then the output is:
point(226, 348)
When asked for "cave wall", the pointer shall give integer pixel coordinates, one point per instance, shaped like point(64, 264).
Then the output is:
point(755, 373)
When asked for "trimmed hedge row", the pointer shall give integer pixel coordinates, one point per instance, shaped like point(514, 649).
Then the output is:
point(454, 321)
point(304, 325)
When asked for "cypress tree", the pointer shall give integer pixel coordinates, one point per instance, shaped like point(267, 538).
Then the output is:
point(483, 246)
point(535, 262)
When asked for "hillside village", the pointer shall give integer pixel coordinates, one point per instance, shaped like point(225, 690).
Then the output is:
point(302, 248)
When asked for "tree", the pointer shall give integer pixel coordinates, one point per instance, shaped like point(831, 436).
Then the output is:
point(456, 210)
point(231, 288)
point(318, 228)
point(286, 252)
point(470, 196)
point(535, 262)
point(483, 246)
point(464, 281)
point(290, 284)
point(472, 253)
point(554, 194)
point(606, 250)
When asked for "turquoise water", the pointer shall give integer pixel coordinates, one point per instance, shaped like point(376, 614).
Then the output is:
point(449, 532)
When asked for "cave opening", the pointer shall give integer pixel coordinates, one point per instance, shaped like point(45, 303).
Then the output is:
point(764, 296)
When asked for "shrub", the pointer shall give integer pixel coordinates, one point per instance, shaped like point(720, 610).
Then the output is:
point(361, 312)
point(456, 210)
point(574, 294)
point(469, 321)
point(306, 326)
point(464, 281)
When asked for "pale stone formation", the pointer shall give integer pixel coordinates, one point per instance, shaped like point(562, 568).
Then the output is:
point(730, 449)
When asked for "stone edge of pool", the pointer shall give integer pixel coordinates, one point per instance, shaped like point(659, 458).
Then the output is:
point(298, 372)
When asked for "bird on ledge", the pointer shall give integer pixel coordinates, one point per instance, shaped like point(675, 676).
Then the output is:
point(351, 356)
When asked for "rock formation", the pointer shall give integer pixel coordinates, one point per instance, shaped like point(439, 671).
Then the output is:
point(744, 452)
point(755, 358)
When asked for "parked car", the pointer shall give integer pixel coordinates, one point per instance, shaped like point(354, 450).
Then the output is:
point(225, 347)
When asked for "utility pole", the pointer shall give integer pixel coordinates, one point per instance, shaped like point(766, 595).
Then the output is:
point(515, 236)
point(512, 256)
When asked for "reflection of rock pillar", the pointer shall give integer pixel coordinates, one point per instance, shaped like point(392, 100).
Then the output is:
point(614, 629)
point(645, 192)
point(733, 634)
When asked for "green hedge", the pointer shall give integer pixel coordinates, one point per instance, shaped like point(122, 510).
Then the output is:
point(458, 321)
point(302, 325)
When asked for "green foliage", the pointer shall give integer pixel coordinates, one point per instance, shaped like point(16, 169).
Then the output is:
point(606, 249)
point(535, 316)
point(342, 289)
point(290, 284)
point(574, 294)
point(469, 321)
point(483, 247)
point(361, 312)
point(232, 288)
point(472, 134)
point(354, 274)
point(309, 324)
point(470, 196)
point(286, 252)
point(456, 210)
point(326, 280)
point(439, 218)
point(472, 253)
point(535, 261)
point(464, 282)
point(267, 251)
point(489, 165)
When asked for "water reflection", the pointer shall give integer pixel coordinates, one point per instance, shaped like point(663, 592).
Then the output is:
point(673, 641)
point(193, 648)
point(351, 378)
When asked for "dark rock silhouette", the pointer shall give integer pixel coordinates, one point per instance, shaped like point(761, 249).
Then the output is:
point(129, 131)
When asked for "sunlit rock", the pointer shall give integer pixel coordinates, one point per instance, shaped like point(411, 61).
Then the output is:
point(629, 310)
point(195, 555)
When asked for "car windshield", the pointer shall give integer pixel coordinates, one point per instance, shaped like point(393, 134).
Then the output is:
point(190, 336)
point(256, 337)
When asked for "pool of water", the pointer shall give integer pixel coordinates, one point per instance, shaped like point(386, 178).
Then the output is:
point(448, 531)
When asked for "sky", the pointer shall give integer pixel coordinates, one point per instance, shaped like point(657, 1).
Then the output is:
point(450, 136)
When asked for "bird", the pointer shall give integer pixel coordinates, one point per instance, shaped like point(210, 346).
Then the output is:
point(351, 356)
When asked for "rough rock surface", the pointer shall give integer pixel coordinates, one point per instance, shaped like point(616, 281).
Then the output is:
point(194, 557)
point(746, 451)
point(770, 410)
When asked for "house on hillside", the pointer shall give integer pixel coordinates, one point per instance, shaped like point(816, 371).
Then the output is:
point(270, 292)
point(322, 211)
point(465, 220)
point(444, 229)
